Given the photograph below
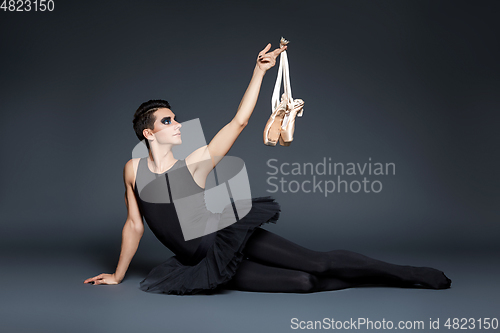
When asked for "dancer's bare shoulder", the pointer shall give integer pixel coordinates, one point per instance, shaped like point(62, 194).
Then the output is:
point(130, 172)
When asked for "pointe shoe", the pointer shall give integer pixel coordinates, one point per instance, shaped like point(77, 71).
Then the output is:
point(283, 143)
point(294, 109)
point(273, 126)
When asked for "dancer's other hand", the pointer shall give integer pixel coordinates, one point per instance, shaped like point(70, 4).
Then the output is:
point(268, 60)
point(103, 279)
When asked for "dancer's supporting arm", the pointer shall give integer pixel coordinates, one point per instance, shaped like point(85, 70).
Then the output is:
point(131, 234)
point(224, 139)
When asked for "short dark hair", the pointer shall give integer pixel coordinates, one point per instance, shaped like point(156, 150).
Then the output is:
point(144, 117)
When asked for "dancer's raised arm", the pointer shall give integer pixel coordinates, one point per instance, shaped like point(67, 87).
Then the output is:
point(224, 139)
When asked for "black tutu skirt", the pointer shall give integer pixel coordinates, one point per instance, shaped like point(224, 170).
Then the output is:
point(222, 258)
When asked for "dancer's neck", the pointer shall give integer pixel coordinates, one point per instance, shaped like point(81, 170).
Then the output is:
point(161, 162)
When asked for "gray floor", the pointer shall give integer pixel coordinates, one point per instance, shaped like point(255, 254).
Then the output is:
point(44, 292)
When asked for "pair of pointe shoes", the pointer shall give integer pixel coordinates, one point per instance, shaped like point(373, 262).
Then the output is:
point(281, 125)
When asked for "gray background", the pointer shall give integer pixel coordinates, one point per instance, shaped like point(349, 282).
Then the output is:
point(414, 83)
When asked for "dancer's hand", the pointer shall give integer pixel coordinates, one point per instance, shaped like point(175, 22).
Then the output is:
point(268, 60)
point(103, 279)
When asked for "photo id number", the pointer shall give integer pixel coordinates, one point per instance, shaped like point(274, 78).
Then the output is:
point(27, 5)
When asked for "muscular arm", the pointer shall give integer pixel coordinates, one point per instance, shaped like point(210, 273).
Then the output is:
point(131, 234)
point(225, 138)
point(134, 227)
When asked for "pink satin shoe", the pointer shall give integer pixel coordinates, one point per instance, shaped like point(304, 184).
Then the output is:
point(294, 109)
point(272, 129)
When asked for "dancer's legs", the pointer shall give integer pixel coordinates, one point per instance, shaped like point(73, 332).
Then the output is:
point(253, 276)
point(272, 250)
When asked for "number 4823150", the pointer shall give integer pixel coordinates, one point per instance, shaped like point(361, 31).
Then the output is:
point(27, 5)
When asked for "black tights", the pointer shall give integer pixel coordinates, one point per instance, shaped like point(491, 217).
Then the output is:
point(275, 264)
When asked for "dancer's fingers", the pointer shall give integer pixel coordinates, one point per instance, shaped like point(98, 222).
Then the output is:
point(265, 60)
point(261, 53)
point(278, 51)
point(94, 278)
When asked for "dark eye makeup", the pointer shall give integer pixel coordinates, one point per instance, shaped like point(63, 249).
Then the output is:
point(167, 120)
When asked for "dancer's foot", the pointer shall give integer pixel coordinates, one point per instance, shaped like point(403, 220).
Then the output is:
point(430, 278)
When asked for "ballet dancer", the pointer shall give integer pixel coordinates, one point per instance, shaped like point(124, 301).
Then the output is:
point(242, 256)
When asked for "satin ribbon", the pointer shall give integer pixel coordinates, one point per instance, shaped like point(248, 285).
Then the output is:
point(283, 74)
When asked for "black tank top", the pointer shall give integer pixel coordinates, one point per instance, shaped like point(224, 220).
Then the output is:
point(160, 213)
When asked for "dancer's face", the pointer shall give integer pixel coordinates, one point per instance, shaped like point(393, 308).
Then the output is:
point(166, 128)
